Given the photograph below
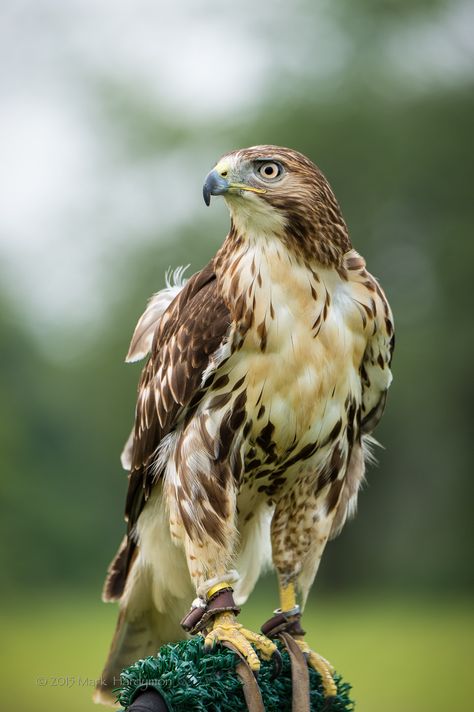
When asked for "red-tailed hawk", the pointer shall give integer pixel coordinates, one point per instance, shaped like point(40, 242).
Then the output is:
point(267, 373)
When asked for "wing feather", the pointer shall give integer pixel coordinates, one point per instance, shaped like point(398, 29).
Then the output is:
point(377, 321)
point(375, 370)
point(192, 329)
point(142, 338)
point(186, 338)
point(376, 377)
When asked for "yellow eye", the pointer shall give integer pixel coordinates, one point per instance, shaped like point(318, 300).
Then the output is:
point(269, 170)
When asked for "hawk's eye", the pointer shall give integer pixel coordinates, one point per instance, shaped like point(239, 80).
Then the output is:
point(269, 170)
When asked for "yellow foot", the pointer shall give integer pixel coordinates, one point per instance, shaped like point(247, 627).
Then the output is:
point(321, 665)
point(226, 629)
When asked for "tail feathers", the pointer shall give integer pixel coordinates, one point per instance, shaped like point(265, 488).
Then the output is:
point(134, 639)
point(118, 570)
point(154, 587)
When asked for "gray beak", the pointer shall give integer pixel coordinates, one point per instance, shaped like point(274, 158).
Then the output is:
point(214, 184)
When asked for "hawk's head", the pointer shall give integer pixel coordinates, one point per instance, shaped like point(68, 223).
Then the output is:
point(275, 190)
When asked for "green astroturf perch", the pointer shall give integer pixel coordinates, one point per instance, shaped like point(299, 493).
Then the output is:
point(189, 679)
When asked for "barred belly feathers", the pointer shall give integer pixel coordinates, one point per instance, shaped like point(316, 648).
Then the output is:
point(267, 372)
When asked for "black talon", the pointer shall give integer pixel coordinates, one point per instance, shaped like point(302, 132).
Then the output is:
point(327, 706)
point(277, 664)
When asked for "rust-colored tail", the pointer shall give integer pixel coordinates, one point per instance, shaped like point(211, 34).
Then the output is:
point(141, 628)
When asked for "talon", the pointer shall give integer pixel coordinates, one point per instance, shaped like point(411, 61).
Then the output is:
point(277, 664)
point(209, 642)
point(323, 667)
point(327, 706)
point(226, 629)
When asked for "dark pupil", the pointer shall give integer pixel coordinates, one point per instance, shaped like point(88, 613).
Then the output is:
point(269, 170)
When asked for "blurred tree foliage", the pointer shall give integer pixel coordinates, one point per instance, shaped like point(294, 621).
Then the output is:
point(398, 161)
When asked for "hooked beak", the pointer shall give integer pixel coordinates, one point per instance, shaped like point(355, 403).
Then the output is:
point(215, 184)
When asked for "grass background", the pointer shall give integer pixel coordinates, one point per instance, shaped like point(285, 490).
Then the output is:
point(400, 654)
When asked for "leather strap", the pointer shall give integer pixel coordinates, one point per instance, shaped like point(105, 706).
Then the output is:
point(198, 617)
point(250, 688)
point(299, 675)
point(281, 622)
point(192, 618)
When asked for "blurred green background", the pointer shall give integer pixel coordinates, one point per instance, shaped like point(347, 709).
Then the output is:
point(113, 113)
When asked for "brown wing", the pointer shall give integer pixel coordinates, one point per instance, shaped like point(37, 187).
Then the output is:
point(375, 370)
point(191, 330)
point(376, 378)
point(377, 320)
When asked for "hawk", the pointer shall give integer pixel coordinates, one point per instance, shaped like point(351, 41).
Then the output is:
point(267, 373)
